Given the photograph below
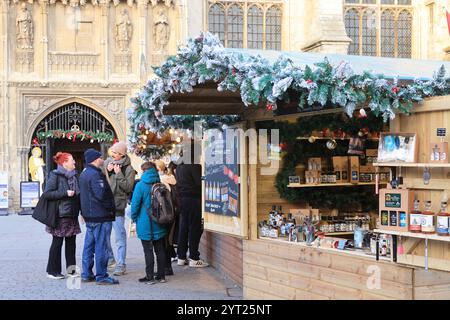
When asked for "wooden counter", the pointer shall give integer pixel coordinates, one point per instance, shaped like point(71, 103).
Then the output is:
point(277, 269)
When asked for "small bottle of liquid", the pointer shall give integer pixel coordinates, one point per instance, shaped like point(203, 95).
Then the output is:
point(415, 218)
point(428, 219)
point(443, 219)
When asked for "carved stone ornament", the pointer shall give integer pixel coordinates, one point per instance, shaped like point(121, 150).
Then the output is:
point(161, 31)
point(124, 30)
point(167, 3)
point(24, 28)
point(114, 105)
point(34, 105)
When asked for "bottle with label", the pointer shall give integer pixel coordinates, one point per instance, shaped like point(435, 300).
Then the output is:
point(443, 219)
point(435, 156)
point(428, 219)
point(415, 218)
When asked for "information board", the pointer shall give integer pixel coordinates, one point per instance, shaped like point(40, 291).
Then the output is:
point(222, 176)
point(3, 190)
point(29, 194)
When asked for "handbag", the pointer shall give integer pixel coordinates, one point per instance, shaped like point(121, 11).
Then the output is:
point(46, 211)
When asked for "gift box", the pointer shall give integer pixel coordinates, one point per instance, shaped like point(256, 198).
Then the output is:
point(394, 207)
point(398, 147)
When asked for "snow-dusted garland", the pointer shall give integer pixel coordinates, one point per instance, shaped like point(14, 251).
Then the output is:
point(205, 59)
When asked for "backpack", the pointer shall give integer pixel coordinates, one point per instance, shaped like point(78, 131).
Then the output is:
point(162, 210)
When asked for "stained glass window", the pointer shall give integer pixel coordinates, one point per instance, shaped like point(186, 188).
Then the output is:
point(235, 26)
point(404, 28)
point(273, 28)
point(369, 33)
point(387, 34)
point(216, 21)
point(352, 28)
point(255, 28)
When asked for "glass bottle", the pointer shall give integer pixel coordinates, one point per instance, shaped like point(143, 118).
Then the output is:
point(428, 219)
point(443, 219)
point(415, 218)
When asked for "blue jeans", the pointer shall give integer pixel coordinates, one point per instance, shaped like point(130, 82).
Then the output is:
point(121, 242)
point(95, 243)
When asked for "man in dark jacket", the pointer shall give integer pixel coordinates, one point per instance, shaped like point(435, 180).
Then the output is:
point(189, 183)
point(98, 210)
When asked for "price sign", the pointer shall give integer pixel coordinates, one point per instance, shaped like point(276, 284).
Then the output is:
point(441, 132)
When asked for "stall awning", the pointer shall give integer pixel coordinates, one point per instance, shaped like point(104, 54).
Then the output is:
point(405, 69)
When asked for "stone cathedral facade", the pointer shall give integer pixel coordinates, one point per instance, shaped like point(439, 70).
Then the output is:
point(76, 63)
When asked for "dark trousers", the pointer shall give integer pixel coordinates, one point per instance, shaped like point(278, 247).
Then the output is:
point(160, 250)
point(54, 257)
point(190, 230)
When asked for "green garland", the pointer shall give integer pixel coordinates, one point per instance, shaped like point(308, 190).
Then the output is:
point(296, 152)
point(75, 134)
point(262, 82)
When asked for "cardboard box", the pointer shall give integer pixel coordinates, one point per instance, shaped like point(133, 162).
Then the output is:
point(438, 152)
point(372, 153)
point(394, 208)
point(312, 176)
point(354, 169)
point(366, 169)
point(315, 164)
point(340, 167)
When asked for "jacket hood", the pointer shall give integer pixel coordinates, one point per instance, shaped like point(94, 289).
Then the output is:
point(150, 176)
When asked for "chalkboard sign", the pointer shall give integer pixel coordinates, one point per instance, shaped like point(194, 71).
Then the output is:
point(222, 176)
point(441, 132)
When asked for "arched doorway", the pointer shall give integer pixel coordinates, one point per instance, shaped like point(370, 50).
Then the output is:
point(73, 128)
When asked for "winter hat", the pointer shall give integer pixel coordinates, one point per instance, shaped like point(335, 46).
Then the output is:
point(90, 155)
point(120, 147)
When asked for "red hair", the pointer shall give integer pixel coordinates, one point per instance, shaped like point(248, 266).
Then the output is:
point(61, 157)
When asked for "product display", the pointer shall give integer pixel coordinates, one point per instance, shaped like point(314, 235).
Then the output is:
point(398, 147)
point(394, 205)
point(415, 218)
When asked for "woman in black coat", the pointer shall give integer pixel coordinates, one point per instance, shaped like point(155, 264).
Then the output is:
point(62, 186)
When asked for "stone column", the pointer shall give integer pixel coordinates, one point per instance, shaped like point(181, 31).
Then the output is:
point(327, 34)
point(43, 54)
point(4, 105)
point(143, 42)
point(104, 5)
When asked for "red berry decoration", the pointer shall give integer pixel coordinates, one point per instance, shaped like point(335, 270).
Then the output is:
point(395, 89)
point(35, 142)
point(309, 81)
point(283, 146)
point(269, 107)
point(233, 71)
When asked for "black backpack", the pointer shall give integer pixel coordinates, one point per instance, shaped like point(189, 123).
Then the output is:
point(162, 210)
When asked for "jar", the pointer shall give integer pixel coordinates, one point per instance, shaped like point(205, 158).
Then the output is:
point(331, 228)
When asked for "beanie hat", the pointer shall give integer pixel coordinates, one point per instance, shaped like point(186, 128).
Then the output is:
point(120, 147)
point(91, 155)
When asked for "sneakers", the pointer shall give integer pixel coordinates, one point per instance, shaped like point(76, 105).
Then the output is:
point(111, 264)
point(108, 281)
point(144, 279)
point(182, 262)
point(197, 263)
point(55, 276)
point(86, 280)
point(119, 271)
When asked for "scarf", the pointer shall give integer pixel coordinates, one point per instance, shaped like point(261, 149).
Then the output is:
point(71, 178)
point(119, 162)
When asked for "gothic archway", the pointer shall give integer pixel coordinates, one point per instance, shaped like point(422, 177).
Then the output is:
point(73, 127)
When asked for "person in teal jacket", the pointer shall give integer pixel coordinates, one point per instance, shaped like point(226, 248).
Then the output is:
point(149, 232)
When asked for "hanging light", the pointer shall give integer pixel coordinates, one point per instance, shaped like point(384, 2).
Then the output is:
point(178, 140)
point(171, 131)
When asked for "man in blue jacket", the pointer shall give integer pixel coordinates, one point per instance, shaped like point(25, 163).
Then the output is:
point(98, 210)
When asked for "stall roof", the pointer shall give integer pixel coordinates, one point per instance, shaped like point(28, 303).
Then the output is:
point(405, 69)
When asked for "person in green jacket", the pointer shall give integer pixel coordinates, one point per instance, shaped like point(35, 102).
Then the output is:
point(120, 175)
point(151, 234)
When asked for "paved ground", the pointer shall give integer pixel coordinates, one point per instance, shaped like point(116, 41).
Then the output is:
point(24, 248)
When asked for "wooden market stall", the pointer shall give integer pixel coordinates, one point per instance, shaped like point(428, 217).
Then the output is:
point(276, 268)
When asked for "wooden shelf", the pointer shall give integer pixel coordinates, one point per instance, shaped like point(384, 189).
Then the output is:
point(412, 165)
point(415, 235)
point(343, 233)
point(330, 138)
point(344, 184)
